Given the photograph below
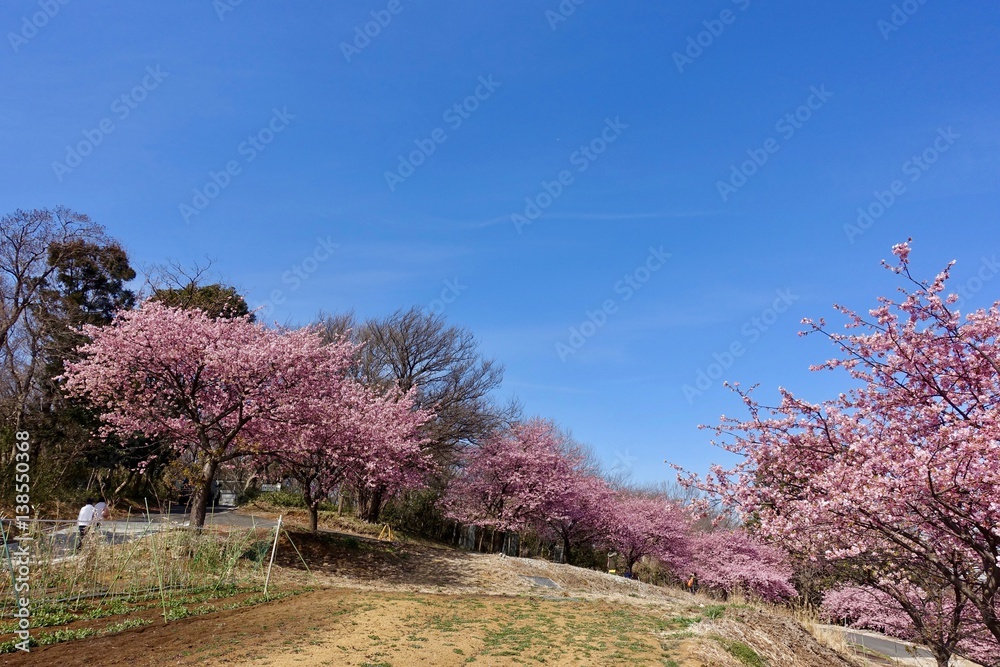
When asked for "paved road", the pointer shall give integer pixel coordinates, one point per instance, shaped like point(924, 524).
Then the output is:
point(905, 653)
point(886, 646)
point(215, 516)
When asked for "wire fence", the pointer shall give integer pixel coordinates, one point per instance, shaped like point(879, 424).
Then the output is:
point(58, 567)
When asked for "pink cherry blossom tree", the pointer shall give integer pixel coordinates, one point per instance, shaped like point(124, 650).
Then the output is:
point(392, 457)
point(319, 451)
point(218, 389)
point(578, 514)
point(359, 436)
point(532, 476)
point(730, 561)
point(894, 480)
point(640, 525)
point(512, 479)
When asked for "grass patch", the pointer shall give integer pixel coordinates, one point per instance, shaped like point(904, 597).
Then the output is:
point(742, 652)
point(715, 611)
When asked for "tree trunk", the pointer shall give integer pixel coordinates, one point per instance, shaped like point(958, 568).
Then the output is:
point(988, 612)
point(121, 487)
point(565, 541)
point(312, 504)
point(314, 516)
point(370, 503)
point(202, 493)
point(373, 506)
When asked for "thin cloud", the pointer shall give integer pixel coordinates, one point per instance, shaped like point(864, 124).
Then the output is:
point(598, 216)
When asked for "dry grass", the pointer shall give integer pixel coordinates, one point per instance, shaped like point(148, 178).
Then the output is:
point(825, 635)
point(166, 560)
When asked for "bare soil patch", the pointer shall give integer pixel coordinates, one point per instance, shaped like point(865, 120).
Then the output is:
point(340, 627)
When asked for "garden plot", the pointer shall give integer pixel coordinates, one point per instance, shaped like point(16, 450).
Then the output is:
point(124, 564)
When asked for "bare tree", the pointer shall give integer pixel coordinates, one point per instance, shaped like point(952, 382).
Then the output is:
point(25, 239)
point(411, 349)
point(173, 275)
point(337, 327)
point(32, 244)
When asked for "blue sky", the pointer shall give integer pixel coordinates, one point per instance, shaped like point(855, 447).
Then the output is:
point(608, 127)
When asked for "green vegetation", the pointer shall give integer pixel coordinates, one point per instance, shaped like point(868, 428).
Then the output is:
point(741, 652)
point(715, 611)
point(287, 499)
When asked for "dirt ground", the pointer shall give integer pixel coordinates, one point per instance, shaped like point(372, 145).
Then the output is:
point(392, 605)
point(343, 627)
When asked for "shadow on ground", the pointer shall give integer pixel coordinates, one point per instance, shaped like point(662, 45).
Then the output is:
point(355, 557)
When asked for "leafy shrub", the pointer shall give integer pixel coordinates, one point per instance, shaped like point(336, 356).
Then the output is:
point(282, 499)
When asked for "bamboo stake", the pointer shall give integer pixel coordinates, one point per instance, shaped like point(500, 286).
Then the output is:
point(159, 570)
point(6, 548)
point(274, 548)
point(301, 558)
